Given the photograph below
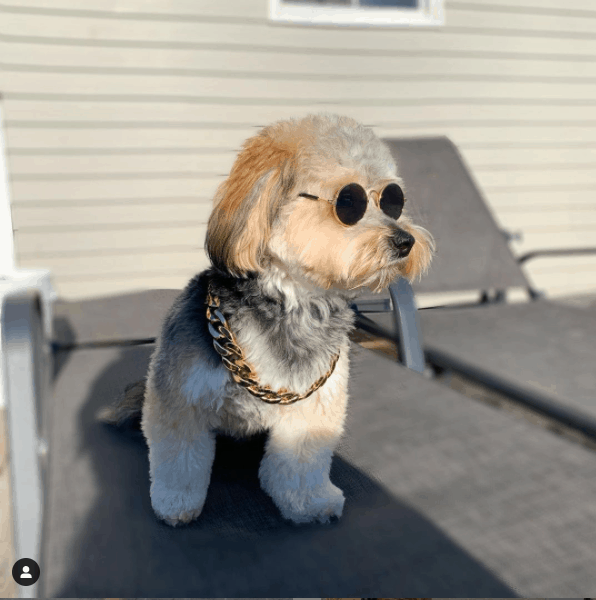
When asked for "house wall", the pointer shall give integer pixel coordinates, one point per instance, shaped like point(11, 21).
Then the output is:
point(122, 117)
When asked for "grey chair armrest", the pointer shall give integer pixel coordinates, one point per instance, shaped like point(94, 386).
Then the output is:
point(22, 367)
point(535, 294)
point(405, 322)
point(561, 252)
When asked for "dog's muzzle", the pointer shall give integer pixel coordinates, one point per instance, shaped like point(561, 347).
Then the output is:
point(401, 243)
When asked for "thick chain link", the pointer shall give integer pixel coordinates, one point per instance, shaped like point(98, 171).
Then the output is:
point(243, 374)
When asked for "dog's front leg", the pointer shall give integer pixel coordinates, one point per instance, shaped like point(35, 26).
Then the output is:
point(181, 453)
point(295, 470)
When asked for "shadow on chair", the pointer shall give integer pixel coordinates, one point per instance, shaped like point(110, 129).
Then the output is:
point(102, 538)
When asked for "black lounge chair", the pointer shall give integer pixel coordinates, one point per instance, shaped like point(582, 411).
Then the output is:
point(541, 353)
point(445, 496)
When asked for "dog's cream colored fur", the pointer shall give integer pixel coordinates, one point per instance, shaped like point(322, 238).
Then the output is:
point(304, 257)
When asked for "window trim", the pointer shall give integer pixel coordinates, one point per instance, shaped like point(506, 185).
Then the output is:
point(431, 13)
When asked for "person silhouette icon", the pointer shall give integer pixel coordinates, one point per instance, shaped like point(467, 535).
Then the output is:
point(25, 574)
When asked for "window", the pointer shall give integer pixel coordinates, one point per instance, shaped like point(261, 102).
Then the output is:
point(366, 13)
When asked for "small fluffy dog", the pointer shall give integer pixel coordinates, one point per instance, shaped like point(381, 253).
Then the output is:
point(311, 214)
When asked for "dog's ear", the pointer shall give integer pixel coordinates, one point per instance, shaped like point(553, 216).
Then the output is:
point(246, 204)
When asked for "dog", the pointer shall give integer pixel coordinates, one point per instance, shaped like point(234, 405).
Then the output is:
point(311, 214)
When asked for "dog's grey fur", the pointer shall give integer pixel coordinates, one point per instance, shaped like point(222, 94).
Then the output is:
point(303, 335)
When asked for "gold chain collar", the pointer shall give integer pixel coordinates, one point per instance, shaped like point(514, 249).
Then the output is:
point(226, 346)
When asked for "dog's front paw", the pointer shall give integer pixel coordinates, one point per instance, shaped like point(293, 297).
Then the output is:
point(176, 508)
point(320, 503)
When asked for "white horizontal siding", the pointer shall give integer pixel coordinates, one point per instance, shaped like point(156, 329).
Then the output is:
point(230, 61)
point(241, 8)
point(123, 116)
point(198, 113)
point(24, 138)
point(151, 29)
point(114, 237)
point(295, 93)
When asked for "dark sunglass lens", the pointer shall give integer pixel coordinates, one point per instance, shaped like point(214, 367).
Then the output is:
point(392, 201)
point(351, 204)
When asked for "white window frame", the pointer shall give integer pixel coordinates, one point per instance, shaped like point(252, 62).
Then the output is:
point(430, 13)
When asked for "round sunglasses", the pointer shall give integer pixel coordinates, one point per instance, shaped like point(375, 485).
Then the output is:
point(352, 201)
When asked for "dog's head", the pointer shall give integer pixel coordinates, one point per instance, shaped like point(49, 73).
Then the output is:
point(319, 198)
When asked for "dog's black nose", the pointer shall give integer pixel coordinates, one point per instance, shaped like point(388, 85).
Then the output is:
point(402, 243)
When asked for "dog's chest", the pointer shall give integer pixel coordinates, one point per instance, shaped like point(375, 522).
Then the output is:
point(291, 349)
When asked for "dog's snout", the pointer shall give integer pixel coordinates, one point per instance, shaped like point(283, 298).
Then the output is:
point(402, 243)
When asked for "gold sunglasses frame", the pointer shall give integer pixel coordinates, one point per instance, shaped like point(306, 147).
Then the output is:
point(334, 202)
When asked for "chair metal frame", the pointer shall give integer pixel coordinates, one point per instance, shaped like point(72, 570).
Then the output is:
point(26, 300)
